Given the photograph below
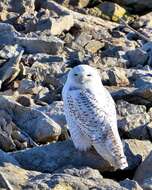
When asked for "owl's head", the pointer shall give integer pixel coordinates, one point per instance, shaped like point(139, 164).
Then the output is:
point(83, 75)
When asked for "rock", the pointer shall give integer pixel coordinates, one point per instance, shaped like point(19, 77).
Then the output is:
point(43, 95)
point(143, 21)
point(58, 155)
point(124, 108)
point(26, 86)
point(135, 5)
point(140, 147)
point(140, 78)
point(149, 128)
point(56, 112)
point(39, 126)
point(133, 95)
point(83, 3)
point(12, 138)
point(45, 22)
point(24, 100)
point(51, 75)
point(9, 51)
point(111, 10)
point(83, 38)
point(133, 120)
point(137, 57)
point(11, 69)
point(130, 184)
point(12, 176)
point(93, 46)
point(83, 178)
point(50, 45)
point(117, 77)
point(65, 23)
point(6, 125)
point(7, 34)
point(19, 6)
point(143, 174)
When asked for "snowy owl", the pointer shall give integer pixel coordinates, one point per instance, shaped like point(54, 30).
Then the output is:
point(91, 115)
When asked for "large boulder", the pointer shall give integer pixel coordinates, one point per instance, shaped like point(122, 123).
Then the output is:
point(58, 154)
point(38, 125)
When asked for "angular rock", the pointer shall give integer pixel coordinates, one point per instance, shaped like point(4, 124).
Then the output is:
point(39, 126)
point(56, 112)
point(124, 108)
point(50, 45)
point(65, 23)
point(83, 39)
point(11, 69)
point(133, 120)
point(73, 178)
point(111, 10)
point(93, 46)
point(140, 147)
point(117, 77)
point(143, 175)
point(130, 184)
point(27, 86)
point(58, 155)
point(7, 34)
point(137, 57)
point(83, 178)
point(133, 95)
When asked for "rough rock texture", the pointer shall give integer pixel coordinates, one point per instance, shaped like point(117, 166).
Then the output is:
point(36, 124)
point(144, 173)
point(40, 41)
point(66, 150)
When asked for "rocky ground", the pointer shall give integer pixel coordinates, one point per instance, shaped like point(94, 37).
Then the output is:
point(40, 40)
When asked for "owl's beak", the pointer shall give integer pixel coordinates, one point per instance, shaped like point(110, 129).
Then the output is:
point(82, 79)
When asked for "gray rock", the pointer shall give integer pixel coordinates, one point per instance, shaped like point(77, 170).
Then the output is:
point(143, 175)
point(51, 45)
point(137, 57)
point(58, 154)
point(84, 179)
point(65, 22)
point(133, 120)
point(130, 184)
point(134, 95)
point(83, 39)
point(117, 77)
point(27, 86)
point(124, 108)
point(38, 125)
point(73, 178)
point(7, 34)
point(11, 69)
point(56, 112)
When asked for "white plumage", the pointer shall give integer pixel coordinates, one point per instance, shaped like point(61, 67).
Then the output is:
point(91, 115)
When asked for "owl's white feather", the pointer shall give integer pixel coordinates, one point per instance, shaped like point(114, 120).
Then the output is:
point(91, 115)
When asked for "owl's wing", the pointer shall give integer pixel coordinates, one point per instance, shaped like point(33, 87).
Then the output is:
point(90, 114)
point(94, 122)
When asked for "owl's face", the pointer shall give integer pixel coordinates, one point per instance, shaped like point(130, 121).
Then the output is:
point(83, 75)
